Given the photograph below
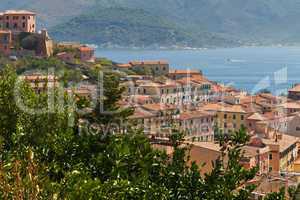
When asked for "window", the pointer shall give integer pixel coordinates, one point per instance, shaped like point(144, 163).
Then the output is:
point(234, 117)
point(162, 91)
point(225, 116)
point(15, 25)
point(234, 125)
point(298, 128)
point(242, 117)
point(7, 17)
point(225, 125)
point(145, 91)
point(24, 25)
point(270, 169)
point(270, 156)
point(7, 25)
point(23, 17)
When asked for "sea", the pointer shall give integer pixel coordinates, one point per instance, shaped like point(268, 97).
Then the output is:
point(251, 69)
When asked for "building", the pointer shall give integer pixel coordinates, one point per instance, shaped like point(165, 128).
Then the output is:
point(5, 42)
point(178, 74)
point(283, 151)
point(294, 93)
point(163, 117)
point(256, 153)
point(157, 68)
point(229, 118)
point(87, 54)
point(197, 125)
point(41, 83)
point(18, 21)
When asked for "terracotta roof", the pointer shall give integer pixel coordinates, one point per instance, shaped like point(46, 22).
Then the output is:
point(296, 88)
point(38, 77)
point(140, 113)
point(185, 72)
point(18, 12)
point(256, 116)
point(194, 115)
point(84, 48)
point(222, 107)
point(290, 105)
point(124, 65)
point(149, 62)
point(5, 31)
point(207, 145)
point(159, 107)
point(268, 96)
point(140, 98)
point(283, 143)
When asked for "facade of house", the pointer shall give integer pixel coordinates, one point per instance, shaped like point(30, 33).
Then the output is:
point(18, 21)
point(294, 93)
point(5, 42)
point(157, 119)
point(41, 83)
point(158, 68)
point(197, 125)
point(229, 118)
point(178, 74)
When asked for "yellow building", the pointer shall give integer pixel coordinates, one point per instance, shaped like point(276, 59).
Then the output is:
point(229, 118)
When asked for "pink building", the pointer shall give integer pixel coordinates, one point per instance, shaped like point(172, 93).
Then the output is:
point(87, 54)
point(5, 42)
point(18, 21)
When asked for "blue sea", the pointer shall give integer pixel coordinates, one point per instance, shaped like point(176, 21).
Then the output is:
point(248, 68)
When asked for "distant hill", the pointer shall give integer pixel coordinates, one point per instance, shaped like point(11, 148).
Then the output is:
point(144, 23)
point(127, 27)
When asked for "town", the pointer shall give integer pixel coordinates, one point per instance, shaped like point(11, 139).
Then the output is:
point(164, 98)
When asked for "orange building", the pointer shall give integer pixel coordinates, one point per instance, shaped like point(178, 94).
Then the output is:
point(5, 42)
point(18, 21)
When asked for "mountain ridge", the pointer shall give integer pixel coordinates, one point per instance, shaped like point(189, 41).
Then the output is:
point(195, 23)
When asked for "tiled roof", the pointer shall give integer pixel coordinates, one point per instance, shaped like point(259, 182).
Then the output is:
point(5, 31)
point(290, 105)
point(207, 145)
point(173, 72)
point(83, 48)
point(18, 12)
point(149, 62)
point(159, 107)
point(38, 77)
point(295, 89)
point(194, 115)
point(140, 113)
point(224, 107)
point(124, 65)
point(283, 143)
point(256, 116)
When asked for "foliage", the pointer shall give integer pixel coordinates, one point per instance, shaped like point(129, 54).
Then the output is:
point(30, 42)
